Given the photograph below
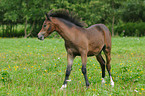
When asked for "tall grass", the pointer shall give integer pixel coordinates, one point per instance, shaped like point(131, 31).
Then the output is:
point(29, 67)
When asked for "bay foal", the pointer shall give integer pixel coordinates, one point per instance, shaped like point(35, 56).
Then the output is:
point(79, 41)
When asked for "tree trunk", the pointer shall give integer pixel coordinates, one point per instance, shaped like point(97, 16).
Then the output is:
point(25, 28)
point(26, 35)
point(113, 25)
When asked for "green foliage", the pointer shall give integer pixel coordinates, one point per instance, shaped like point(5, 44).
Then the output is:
point(15, 12)
point(32, 67)
point(131, 29)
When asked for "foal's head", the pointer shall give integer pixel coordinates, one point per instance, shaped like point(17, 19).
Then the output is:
point(47, 28)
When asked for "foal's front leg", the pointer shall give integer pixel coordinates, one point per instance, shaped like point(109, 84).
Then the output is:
point(84, 70)
point(70, 59)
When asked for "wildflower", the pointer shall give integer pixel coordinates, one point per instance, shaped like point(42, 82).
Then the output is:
point(80, 82)
point(28, 45)
point(141, 72)
point(139, 93)
point(2, 77)
point(142, 88)
point(89, 77)
point(135, 90)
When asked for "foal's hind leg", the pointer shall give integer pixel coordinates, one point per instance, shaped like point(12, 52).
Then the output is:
point(108, 66)
point(102, 63)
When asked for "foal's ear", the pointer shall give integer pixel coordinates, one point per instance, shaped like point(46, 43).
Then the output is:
point(47, 17)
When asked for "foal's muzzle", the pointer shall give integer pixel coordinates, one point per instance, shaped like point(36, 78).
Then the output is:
point(41, 37)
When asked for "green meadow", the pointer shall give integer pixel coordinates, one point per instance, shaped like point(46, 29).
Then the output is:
point(30, 67)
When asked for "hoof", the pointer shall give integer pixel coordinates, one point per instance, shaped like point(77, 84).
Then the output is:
point(103, 82)
point(112, 84)
point(87, 87)
point(63, 87)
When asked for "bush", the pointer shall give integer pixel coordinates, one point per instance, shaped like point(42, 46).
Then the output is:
point(130, 29)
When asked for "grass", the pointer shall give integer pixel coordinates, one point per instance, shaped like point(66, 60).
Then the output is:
point(29, 67)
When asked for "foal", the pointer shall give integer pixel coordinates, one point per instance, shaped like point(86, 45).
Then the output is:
point(79, 41)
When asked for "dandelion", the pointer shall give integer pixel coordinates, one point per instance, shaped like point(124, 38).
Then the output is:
point(80, 82)
point(89, 77)
point(45, 70)
point(142, 89)
point(2, 77)
point(141, 72)
point(9, 66)
point(28, 45)
point(139, 93)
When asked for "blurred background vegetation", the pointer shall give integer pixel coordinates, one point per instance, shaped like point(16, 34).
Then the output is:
point(24, 18)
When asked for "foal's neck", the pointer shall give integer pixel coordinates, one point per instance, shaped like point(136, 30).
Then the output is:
point(65, 29)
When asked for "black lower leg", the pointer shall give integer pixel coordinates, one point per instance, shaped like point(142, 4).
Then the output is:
point(103, 70)
point(108, 69)
point(68, 70)
point(85, 75)
point(102, 63)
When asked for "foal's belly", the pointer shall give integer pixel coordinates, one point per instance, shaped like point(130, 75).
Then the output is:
point(89, 53)
point(94, 52)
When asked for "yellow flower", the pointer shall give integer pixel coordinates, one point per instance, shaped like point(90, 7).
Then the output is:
point(141, 72)
point(45, 70)
point(80, 82)
point(89, 77)
point(142, 88)
point(2, 77)
point(139, 93)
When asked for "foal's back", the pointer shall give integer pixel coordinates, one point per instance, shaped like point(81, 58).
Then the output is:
point(98, 36)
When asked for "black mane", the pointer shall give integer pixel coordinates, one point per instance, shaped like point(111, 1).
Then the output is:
point(69, 16)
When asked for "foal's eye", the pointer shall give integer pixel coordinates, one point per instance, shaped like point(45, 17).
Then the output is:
point(44, 25)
